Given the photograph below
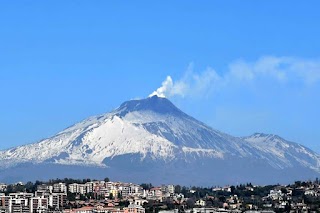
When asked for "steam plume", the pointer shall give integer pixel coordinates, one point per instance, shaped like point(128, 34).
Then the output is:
point(166, 88)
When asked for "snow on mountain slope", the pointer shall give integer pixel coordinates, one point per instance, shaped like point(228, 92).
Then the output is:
point(287, 153)
point(153, 129)
point(160, 117)
point(91, 141)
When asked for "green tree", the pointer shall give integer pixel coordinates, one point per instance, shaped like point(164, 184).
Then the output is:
point(190, 203)
point(146, 186)
point(71, 197)
point(284, 190)
point(287, 208)
point(119, 195)
point(177, 189)
point(111, 196)
point(233, 189)
point(29, 187)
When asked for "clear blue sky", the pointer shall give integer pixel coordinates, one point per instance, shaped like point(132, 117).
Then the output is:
point(239, 66)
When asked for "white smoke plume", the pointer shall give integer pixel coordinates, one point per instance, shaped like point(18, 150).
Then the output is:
point(280, 69)
point(191, 84)
point(166, 88)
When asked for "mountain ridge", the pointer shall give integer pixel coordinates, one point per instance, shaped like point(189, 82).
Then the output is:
point(154, 132)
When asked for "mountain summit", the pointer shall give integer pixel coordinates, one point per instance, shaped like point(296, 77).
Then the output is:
point(151, 140)
point(156, 104)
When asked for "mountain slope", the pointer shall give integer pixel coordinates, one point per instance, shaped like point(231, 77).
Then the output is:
point(153, 137)
point(289, 153)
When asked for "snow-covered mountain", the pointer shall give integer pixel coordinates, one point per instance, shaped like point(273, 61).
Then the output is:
point(152, 140)
point(287, 154)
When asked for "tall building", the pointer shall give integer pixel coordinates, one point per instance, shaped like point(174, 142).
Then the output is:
point(60, 188)
point(74, 188)
point(19, 205)
point(44, 188)
point(38, 205)
point(21, 195)
point(5, 203)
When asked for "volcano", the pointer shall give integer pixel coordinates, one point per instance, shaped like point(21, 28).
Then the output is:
point(151, 140)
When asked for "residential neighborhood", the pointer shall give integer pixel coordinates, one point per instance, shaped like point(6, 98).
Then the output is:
point(104, 196)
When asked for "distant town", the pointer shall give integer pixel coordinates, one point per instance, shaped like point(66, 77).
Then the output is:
point(104, 196)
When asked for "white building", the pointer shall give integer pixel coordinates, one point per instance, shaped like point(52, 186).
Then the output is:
point(135, 189)
point(44, 188)
point(21, 195)
point(53, 200)
point(74, 188)
point(170, 189)
point(60, 187)
point(19, 205)
point(89, 187)
point(3, 187)
point(38, 205)
point(200, 203)
point(81, 188)
point(311, 193)
point(275, 194)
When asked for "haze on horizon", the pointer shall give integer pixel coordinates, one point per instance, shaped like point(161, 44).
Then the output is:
point(240, 67)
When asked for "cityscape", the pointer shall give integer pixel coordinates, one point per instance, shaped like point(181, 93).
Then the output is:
point(104, 196)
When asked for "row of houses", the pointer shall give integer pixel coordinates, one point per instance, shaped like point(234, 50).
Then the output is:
point(132, 208)
point(102, 188)
point(110, 189)
point(54, 203)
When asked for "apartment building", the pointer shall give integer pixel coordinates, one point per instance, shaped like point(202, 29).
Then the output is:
point(19, 205)
point(60, 188)
point(38, 205)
